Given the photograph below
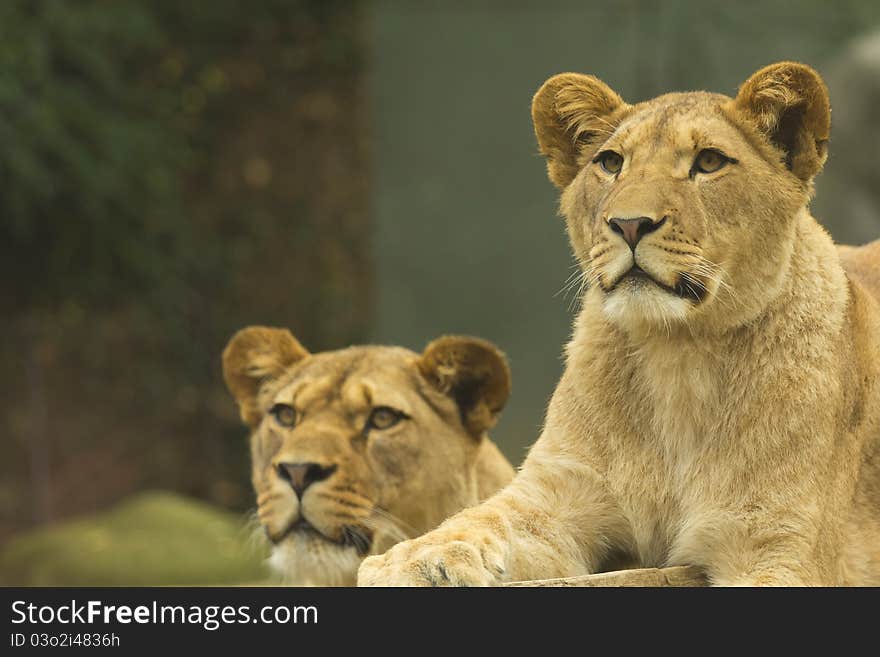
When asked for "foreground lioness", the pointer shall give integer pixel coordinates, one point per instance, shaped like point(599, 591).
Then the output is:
point(356, 449)
point(720, 404)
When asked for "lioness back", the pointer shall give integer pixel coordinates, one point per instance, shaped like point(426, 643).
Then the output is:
point(357, 449)
point(862, 263)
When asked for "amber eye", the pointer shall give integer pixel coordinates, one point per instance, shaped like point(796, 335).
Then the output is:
point(383, 417)
point(285, 415)
point(709, 160)
point(610, 161)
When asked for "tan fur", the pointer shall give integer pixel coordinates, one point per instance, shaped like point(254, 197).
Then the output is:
point(862, 263)
point(721, 409)
point(387, 485)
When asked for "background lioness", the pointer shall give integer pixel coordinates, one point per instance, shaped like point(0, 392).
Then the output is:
point(720, 404)
point(356, 449)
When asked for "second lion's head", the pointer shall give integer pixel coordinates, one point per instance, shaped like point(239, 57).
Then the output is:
point(356, 449)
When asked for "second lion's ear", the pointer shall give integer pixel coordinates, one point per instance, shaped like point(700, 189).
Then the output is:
point(788, 103)
point(254, 356)
point(474, 373)
point(570, 112)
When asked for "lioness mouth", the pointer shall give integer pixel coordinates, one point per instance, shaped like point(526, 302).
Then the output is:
point(359, 538)
point(637, 272)
point(686, 287)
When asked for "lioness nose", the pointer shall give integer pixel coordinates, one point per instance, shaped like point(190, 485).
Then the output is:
point(633, 230)
point(302, 475)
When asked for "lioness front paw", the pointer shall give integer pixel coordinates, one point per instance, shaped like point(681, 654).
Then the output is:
point(421, 563)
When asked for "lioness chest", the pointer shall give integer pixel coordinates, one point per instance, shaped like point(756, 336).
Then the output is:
point(682, 453)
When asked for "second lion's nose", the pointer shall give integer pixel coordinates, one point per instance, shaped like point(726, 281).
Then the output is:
point(633, 230)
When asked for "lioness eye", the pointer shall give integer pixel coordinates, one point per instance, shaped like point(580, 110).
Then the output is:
point(285, 415)
point(610, 161)
point(709, 161)
point(384, 417)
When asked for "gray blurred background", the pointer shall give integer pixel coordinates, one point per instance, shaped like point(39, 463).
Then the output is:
point(358, 171)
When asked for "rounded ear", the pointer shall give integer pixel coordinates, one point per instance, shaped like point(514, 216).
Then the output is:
point(254, 356)
point(570, 112)
point(788, 102)
point(472, 372)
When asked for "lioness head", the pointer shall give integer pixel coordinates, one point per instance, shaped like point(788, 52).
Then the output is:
point(686, 202)
point(354, 450)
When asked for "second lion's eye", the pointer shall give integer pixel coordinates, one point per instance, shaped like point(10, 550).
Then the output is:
point(610, 161)
point(709, 160)
point(284, 414)
point(384, 417)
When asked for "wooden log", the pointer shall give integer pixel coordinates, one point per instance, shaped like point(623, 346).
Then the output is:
point(674, 576)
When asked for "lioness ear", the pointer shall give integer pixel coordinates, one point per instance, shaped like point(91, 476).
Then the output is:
point(255, 355)
point(474, 373)
point(569, 112)
point(789, 104)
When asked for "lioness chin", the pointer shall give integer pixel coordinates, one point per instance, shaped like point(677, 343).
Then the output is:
point(356, 449)
point(720, 404)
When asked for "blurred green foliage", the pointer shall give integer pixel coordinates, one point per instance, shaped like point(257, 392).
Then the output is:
point(91, 205)
point(103, 109)
point(172, 172)
point(152, 539)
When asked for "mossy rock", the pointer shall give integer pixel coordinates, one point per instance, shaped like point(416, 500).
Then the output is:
point(151, 539)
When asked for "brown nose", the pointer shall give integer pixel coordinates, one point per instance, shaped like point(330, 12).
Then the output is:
point(302, 475)
point(633, 230)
